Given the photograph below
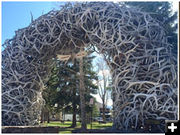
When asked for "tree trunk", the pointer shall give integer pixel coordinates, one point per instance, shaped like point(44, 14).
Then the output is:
point(74, 120)
point(104, 108)
point(82, 97)
point(74, 108)
point(42, 115)
point(48, 119)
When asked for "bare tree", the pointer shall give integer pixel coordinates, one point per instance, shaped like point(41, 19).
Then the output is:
point(103, 84)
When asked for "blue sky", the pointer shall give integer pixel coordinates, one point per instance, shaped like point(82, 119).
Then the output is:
point(17, 15)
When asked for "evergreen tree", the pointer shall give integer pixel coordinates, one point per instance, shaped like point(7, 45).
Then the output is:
point(163, 13)
point(63, 86)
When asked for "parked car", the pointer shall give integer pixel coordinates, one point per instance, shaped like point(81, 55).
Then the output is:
point(98, 118)
point(109, 119)
point(101, 121)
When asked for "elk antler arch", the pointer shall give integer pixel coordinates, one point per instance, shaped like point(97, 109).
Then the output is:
point(144, 72)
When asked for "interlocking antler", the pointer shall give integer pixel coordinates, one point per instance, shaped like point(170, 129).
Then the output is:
point(144, 72)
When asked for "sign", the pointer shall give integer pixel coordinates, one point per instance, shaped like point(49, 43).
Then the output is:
point(64, 57)
point(56, 105)
point(91, 101)
point(67, 57)
point(81, 54)
point(152, 121)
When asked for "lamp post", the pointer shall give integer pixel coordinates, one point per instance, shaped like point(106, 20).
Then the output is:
point(91, 105)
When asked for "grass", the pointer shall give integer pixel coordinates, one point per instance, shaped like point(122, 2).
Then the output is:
point(65, 127)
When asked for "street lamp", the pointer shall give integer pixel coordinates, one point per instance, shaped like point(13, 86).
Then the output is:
point(91, 105)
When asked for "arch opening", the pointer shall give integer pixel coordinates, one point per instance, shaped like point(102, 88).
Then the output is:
point(134, 45)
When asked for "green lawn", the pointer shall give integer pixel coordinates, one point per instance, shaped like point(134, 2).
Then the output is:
point(64, 126)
